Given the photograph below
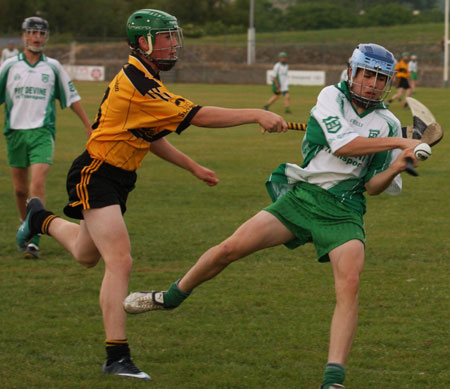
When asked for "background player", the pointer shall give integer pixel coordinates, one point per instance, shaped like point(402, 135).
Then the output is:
point(402, 77)
point(280, 82)
point(101, 178)
point(30, 83)
point(413, 71)
point(8, 52)
point(347, 150)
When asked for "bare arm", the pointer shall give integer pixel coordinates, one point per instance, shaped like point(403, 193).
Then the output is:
point(217, 117)
point(381, 181)
point(164, 150)
point(79, 110)
point(363, 146)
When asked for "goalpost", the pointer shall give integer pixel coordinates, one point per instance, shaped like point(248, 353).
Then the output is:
point(446, 46)
point(251, 54)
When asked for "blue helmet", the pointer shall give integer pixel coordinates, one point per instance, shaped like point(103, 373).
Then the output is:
point(375, 58)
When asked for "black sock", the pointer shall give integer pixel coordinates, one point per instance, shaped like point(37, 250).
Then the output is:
point(40, 221)
point(116, 349)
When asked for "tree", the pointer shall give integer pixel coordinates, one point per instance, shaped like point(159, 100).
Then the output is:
point(314, 16)
point(387, 15)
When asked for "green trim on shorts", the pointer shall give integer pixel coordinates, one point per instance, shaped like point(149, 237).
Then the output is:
point(315, 215)
point(29, 147)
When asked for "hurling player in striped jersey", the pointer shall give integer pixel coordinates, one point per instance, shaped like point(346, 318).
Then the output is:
point(135, 116)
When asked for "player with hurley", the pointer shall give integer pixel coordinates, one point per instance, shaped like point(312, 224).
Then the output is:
point(353, 145)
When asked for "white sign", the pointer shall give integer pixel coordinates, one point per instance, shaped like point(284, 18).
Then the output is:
point(301, 77)
point(85, 73)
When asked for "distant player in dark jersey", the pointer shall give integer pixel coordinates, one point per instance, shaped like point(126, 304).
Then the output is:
point(402, 75)
point(136, 114)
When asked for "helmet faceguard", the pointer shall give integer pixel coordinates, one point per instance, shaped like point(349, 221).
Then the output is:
point(35, 25)
point(375, 59)
point(162, 34)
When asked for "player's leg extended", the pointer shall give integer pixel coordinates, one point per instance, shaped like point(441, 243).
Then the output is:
point(72, 236)
point(76, 239)
point(109, 233)
point(347, 262)
point(19, 177)
point(261, 231)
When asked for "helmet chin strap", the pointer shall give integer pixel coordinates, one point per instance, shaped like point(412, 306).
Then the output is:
point(150, 45)
point(145, 53)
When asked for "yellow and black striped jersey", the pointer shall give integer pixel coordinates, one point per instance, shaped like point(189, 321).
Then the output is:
point(402, 69)
point(136, 110)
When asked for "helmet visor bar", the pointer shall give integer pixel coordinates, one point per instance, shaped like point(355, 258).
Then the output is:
point(168, 44)
point(42, 33)
point(371, 92)
point(35, 39)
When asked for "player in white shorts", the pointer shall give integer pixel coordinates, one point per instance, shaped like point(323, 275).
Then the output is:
point(353, 144)
point(29, 84)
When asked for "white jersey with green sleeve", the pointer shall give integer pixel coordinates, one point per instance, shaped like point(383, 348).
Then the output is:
point(29, 92)
point(280, 72)
point(332, 124)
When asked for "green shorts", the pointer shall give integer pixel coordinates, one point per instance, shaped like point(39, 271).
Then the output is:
point(28, 147)
point(313, 214)
point(414, 76)
point(277, 91)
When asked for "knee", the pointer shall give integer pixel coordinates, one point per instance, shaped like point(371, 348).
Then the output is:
point(348, 286)
point(88, 262)
point(86, 257)
point(119, 264)
point(21, 192)
point(228, 252)
point(38, 188)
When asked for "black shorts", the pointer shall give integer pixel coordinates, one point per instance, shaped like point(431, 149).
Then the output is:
point(403, 83)
point(92, 183)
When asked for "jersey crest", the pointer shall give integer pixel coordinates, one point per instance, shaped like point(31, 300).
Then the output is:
point(332, 124)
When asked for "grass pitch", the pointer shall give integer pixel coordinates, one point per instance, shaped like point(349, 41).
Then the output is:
point(264, 322)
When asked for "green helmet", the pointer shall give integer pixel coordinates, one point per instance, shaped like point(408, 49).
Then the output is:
point(148, 23)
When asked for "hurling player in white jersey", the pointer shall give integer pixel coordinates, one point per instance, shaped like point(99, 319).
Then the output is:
point(29, 85)
point(8, 52)
point(353, 144)
point(280, 83)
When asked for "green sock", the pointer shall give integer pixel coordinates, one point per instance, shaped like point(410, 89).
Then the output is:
point(334, 374)
point(174, 296)
point(35, 240)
